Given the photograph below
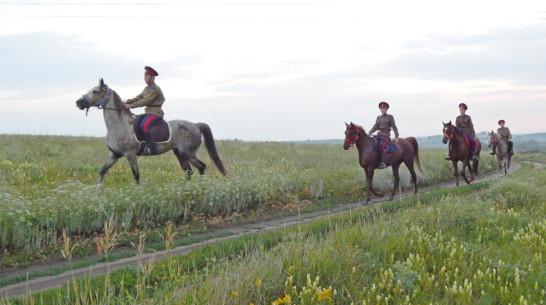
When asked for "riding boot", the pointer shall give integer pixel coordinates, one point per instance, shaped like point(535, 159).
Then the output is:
point(511, 148)
point(493, 152)
point(448, 158)
point(151, 148)
point(382, 164)
point(473, 153)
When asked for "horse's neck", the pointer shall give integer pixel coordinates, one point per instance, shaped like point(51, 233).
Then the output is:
point(364, 142)
point(117, 124)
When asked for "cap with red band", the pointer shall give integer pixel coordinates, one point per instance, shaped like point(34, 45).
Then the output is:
point(151, 71)
point(463, 105)
point(501, 122)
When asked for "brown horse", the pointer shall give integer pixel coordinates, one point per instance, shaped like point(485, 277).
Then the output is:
point(369, 156)
point(460, 151)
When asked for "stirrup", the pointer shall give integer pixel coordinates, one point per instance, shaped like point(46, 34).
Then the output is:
point(474, 158)
point(448, 158)
point(492, 153)
point(381, 165)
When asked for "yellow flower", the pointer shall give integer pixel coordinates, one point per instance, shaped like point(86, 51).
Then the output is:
point(258, 282)
point(291, 270)
point(280, 301)
point(325, 294)
point(235, 293)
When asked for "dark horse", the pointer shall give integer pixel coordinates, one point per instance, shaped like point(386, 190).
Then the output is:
point(369, 157)
point(121, 142)
point(460, 151)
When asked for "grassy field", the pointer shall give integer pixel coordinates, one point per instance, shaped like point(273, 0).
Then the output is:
point(477, 244)
point(47, 186)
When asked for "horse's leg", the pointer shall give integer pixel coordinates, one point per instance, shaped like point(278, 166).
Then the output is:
point(112, 159)
point(184, 163)
point(466, 164)
point(410, 167)
point(199, 164)
point(369, 180)
point(396, 176)
point(134, 167)
point(455, 172)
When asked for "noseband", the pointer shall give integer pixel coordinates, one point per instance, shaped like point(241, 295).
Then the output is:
point(353, 141)
point(98, 105)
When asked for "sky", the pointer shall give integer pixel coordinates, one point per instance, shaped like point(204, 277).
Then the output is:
point(269, 70)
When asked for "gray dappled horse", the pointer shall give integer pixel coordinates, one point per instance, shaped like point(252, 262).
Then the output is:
point(184, 141)
point(503, 154)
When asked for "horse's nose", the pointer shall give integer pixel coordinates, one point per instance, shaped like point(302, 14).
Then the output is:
point(346, 147)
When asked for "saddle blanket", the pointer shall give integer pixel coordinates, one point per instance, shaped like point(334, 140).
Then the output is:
point(161, 131)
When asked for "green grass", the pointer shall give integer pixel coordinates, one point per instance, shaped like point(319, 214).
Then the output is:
point(47, 184)
point(478, 244)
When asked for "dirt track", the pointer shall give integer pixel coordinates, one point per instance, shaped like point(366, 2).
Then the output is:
point(48, 282)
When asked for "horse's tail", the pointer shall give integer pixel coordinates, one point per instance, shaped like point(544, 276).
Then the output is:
point(415, 146)
point(211, 147)
point(476, 163)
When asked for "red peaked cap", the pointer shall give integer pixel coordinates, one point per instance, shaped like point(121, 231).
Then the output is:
point(151, 71)
point(384, 104)
point(463, 105)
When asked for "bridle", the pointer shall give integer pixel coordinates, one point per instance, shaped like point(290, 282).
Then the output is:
point(100, 105)
point(449, 137)
point(353, 141)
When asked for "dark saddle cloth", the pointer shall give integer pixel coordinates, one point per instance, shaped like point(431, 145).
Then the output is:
point(390, 147)
point(161, 131)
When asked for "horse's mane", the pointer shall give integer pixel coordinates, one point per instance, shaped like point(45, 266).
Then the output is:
point(359, 127)
point(118, 104)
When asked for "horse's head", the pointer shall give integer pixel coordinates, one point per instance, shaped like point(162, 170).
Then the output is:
point(492, 139)
point(96, 97)
point(352, 132)
point(448, 131)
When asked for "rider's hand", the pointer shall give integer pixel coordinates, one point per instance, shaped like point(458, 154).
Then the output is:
point(127, 106)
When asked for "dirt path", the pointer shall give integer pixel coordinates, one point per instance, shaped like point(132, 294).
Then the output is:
point(48, 282)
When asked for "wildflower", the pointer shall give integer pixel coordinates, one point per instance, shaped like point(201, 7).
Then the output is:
point(235, 293)
point(280, 301)
point(258, 282)
point(291, 270)
point(325, 294)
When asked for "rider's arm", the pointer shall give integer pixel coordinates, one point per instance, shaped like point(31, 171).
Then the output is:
point(375, 127)
point(394, 128)
point(146, 99)
point(136, 98)
point(471, 125)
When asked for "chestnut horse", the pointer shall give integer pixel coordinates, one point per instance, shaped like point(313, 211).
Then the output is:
point(460, 151)
point(369, 156)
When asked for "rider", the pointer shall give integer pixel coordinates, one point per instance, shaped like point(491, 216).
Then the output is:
point(384, 123)
point(464, 124)
point(151, 97)
point(504, 132)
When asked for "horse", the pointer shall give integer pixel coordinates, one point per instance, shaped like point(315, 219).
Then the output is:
point(184, 141)
point(503, 154)
point(369, 156)
point(460, 151)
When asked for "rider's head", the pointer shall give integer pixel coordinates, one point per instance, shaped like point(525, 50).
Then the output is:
point(462, 108)
point(149, 75)
point(501, 123)
point(383, 107)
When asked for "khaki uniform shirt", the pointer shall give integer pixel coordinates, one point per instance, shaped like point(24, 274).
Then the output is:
point(384, 123)
point(151, 97)
point(464, 124)
point(505, 133)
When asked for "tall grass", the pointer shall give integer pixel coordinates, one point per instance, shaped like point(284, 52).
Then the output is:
point(47, 185)
point(482, 246)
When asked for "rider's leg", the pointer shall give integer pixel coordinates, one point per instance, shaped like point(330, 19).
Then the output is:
point(494, 148)
point(146, 124)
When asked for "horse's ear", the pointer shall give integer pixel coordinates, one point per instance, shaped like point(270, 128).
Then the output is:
point(443, 123)
point(101, 82)
point(347, 125)
point(352, 125)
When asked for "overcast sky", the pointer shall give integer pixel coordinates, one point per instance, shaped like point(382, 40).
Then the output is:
point(277, 70)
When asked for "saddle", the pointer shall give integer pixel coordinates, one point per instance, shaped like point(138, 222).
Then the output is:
point(161, 131)
point(390, 147)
